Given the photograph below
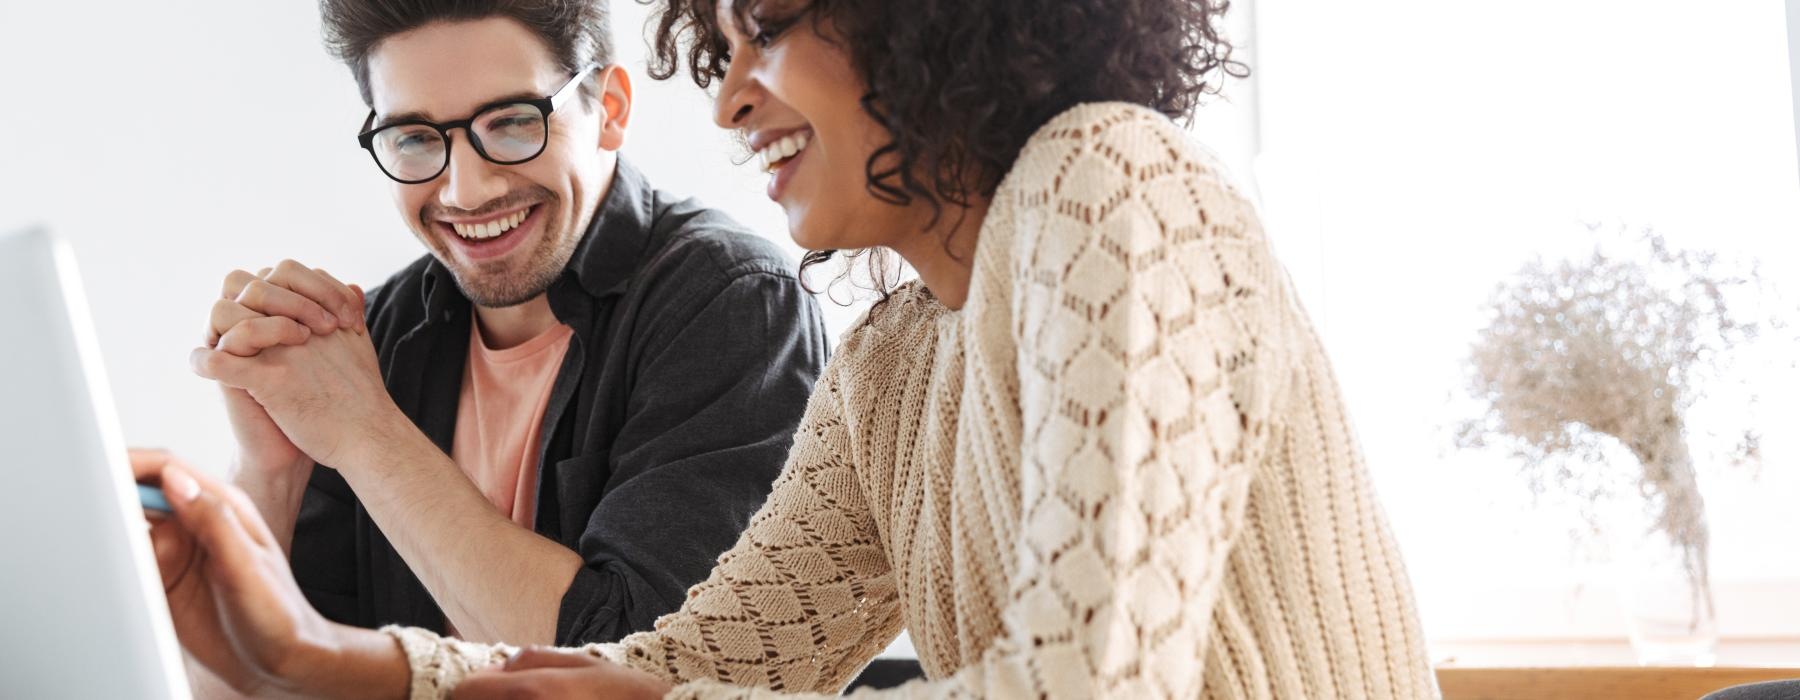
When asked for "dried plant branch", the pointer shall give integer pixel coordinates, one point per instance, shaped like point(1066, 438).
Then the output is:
point(1581, 357)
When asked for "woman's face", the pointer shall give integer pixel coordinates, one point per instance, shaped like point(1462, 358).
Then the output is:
point(795, 97)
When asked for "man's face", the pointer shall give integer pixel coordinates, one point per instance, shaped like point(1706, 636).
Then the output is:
point(445, 72)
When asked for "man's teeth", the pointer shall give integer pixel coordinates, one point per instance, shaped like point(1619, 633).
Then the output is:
point(491, 228)
point(784, 148)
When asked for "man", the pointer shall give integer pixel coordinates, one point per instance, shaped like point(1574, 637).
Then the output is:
point(549, 427)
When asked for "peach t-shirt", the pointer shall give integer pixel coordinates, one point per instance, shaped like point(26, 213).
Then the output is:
point(500, 415)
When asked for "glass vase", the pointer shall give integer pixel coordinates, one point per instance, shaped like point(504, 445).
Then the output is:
point(1666, 596)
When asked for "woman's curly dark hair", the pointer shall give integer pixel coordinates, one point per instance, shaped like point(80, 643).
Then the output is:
point(960, 85)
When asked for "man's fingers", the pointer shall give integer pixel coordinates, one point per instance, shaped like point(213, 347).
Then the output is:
point(235, 281)
point(354, 315)
point(541, 657)
point(224, 368)
point(322, 289)
point(225, 314)
point(271, 299)
point(255, 335)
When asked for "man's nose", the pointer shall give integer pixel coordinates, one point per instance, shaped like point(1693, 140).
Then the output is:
point(469, 181)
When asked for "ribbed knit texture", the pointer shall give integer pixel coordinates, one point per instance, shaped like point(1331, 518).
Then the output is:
point(1123, 469)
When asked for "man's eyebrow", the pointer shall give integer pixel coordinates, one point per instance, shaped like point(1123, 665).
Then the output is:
point(419, 116)
point(381, 121)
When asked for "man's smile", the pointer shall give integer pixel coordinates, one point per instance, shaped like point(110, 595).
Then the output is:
point(490, 236)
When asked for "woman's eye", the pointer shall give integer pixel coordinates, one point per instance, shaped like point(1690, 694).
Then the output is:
point(766, 34)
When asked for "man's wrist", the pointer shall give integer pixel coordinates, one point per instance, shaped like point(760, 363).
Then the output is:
point(247, 467)
point(383, 436)
point(282, 482)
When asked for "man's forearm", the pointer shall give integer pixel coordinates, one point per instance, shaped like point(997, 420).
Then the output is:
point(277, 494)
point(496, 581)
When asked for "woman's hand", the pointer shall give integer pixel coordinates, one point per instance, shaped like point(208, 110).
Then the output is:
point(542, 673)
point(236, 606)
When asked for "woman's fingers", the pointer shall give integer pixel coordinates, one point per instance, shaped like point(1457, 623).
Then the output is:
point(540, 657)
point(524, 685)
point(176, 555)
point(212, 521)
point(147, 464)
point(248, 516)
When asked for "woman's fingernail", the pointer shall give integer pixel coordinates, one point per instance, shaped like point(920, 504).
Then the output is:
point(180, 487)
point(331, 319)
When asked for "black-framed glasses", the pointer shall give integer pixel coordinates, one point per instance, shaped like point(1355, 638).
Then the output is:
point(508, 132)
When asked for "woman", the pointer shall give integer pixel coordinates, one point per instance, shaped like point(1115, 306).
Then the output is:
point(1096, 449)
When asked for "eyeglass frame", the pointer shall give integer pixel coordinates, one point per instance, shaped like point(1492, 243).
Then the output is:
point(546, 105)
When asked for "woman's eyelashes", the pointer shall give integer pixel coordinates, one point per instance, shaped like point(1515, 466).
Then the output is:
point(768, 30)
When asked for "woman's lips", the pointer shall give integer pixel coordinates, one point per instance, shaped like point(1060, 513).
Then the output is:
point(784, 174)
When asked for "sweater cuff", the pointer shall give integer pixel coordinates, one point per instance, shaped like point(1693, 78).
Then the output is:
point(439, 663)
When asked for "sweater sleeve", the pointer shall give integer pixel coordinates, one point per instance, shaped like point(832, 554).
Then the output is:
point(1140, 301)
point(801, 602)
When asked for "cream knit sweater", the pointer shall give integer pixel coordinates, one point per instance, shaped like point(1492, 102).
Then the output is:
point(1122, 469)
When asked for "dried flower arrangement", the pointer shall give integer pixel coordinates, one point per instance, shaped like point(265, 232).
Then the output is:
point(1582, 357)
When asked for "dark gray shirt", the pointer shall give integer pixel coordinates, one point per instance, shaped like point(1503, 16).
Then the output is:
point(693, 354)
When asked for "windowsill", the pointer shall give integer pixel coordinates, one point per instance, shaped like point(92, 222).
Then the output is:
point(1743, 652)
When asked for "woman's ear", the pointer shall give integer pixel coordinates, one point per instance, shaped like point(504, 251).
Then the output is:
point(615, 106)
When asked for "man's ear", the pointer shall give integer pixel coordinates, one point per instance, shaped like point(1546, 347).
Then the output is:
point(615, 106)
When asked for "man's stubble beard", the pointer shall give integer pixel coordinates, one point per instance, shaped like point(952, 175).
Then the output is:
point(513, 287)
point(503, 288)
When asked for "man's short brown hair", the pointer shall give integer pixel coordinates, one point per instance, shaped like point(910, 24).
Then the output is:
point(577, 32)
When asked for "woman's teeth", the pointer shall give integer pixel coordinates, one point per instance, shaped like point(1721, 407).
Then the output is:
point(491, 228)
point(774, 154)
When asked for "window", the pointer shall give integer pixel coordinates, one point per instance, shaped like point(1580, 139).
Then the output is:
point(1413, 154)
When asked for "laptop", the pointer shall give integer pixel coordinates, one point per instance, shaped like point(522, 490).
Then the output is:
point(82, 613)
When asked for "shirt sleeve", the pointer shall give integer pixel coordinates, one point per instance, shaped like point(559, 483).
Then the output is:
point(719, 382)
point(801, 602)
point(323, 550)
